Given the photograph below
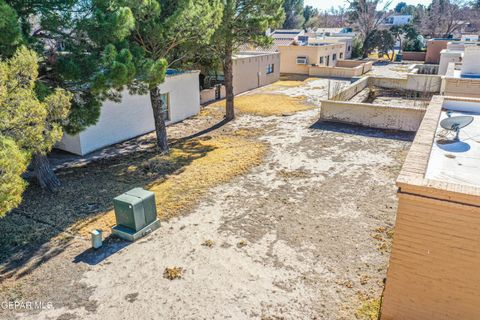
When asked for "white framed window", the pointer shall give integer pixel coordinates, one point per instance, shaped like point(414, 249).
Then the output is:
point(334, 57)
point(165, 98)
point(302, 60)
point(341, 55)
point(321, 60)
point(270, 68)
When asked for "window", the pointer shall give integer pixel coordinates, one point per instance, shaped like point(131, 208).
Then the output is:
point(270, 68)
point(165, 99)
point(302, 60)
point(334, 57)
point(349, 48)
point(321, 60)
point(341, 55)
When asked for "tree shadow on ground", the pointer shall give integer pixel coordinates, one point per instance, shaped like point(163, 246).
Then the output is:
point(45, 223)
point(363, 131)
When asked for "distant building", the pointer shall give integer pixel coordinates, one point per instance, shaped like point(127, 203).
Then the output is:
point(454, 53)
point(251, 70)
point(462, 76)
point(331, 32)
point(397, 20)
point(469, 37)
point(434, 47)
point(348, 41)
point(297, 58)
point(280, 37)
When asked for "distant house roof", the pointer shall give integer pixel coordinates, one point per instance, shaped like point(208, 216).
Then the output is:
point(274, 48)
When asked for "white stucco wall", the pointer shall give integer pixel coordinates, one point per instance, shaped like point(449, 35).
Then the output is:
point(133, 116)
point(447, 56)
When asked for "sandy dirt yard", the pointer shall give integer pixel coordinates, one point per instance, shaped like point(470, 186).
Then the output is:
point(303, 235)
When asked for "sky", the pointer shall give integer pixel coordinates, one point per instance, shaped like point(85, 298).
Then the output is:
point(327, 4)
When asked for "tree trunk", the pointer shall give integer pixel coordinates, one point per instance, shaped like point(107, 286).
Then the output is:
point(228, 74)
point(45, 176)
point(160, 128)
point(365, 49)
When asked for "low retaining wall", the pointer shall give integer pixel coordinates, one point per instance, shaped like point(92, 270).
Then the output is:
point(424, 82)
point(350, 91)
point(389, 83)
point(372, 115)
point(414, 56)
point(414, 82)
point(464, 87)
point(343, 69)
point(209, 95)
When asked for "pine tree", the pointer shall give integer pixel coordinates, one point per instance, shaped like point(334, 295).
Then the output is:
point(29, 126)
point(243, 21)
point(77, 41)
point(166, 32)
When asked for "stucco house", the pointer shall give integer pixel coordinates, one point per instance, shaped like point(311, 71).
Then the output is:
point(133, 116)
point(253, 70)
point(397, 20)
point(297, 58)
point(250, 70)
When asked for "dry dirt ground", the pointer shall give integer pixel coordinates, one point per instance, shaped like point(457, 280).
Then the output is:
point(303, 235)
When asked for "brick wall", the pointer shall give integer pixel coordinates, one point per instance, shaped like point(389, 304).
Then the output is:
point(414, 56)
point(435, 261)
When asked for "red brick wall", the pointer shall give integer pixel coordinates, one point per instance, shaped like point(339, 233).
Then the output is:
point(414, 56)
point(433, 50)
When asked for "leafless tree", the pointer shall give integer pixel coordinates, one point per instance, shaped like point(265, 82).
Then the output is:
point(447, 17)
point(367, 17)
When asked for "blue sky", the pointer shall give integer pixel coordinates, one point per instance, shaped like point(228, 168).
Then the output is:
point(327, 4)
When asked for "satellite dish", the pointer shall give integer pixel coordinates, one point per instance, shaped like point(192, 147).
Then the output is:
point(456, 123)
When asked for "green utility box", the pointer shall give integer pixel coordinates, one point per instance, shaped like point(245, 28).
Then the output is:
point(136, 214)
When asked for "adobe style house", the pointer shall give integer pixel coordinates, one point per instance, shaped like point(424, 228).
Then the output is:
point(250, 70)
point(297, 59)
point(133, 116)
point(321, 59)
point(253, 70)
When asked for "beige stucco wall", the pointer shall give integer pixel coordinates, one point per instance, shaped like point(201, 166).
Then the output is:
point(343, 69)
point(208, 95)
point(334, 72)
point(461, 87)
point(289, 54)
point(433, 272)
point(424, 82)
point(348, 41)
point(447, 57)
point(385, 82)
point(350, 91)
point(250, 71)
point(372, 115)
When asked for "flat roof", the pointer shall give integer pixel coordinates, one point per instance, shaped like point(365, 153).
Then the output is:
point(459, 161)
point(417, 178)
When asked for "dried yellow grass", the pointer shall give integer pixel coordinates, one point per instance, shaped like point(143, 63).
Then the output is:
point(288, 83)
point(268, 104)
point(198, 165)
point(291, 83)
point(173, 273)
point(369, 310)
